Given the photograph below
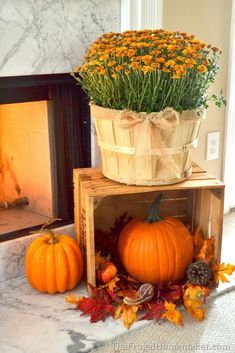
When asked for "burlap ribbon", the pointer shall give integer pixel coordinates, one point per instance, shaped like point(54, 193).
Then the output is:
point(166, 119)
point(150, 125)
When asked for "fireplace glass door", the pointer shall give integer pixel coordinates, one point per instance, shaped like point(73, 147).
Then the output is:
point(44, 135)
point(25, 166)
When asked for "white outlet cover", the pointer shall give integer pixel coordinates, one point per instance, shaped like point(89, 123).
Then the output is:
point(212, 147)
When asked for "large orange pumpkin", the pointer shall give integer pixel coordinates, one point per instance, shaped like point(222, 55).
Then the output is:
point(156, 250)
point(53, 263)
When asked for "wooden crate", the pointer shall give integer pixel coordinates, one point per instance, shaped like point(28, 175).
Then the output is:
point(99, 201)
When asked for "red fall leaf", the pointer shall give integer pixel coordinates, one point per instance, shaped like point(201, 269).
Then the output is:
point(173, 293)
point(154, 311)
point(99, 306)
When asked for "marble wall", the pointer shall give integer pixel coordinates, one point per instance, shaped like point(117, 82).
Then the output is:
point(51, 36)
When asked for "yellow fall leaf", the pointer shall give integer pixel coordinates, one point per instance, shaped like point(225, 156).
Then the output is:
point(221, 270)
point(128, 313)
point(99, 259)
point(72, 299)
point(172, 314)
point(198, 314)
point(194, 298)
point(111, 284)
point(207, 251)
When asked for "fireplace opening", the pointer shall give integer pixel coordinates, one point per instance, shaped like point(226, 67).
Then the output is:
point(44, 135)
point(25, 166)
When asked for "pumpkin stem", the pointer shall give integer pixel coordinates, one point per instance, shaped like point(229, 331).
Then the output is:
point(52, 239)
point(153, 213)
point(49, 222)
point(43, 229)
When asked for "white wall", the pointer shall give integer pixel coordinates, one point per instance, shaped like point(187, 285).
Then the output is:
point(209, 20)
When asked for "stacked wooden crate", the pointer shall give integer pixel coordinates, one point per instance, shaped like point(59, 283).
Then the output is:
point(99, 201)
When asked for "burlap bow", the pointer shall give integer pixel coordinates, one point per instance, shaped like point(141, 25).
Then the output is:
point(148, 126)
point(166, 119)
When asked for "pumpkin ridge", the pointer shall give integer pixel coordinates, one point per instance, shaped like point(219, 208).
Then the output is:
point(143, 268)
point(181, 253)
point(186, 240)
point(174, 244)
point(181, 233)
point(171, 253)
point(69, 241)
point(74, 271)
point(156, 237)
point(61, 268)
point(50, 270)
point(38, 262)
point(29, 259)
point(165, 256)
point(135, 250)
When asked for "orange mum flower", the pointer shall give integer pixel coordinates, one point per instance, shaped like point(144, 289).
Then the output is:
point(131, 52)
point(120, 55)
point(155, 52)
point(102, 70)
point(112, 63)
point(179, 70)
point(170, 63)
point(103, 57)
point(202, 68)
point(190, 63)
point(159, 60)
point(146, 58)
point(135, 64)
point(146, 69)
point(118, 68)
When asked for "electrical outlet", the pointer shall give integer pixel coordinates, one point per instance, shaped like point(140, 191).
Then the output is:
point(212, 151)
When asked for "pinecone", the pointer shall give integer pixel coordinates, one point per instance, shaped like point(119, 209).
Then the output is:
point(199, 273)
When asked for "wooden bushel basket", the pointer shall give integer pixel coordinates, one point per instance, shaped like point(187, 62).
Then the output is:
point(146, 148)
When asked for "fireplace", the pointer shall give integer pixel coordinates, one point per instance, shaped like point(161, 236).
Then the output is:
point(44, 134)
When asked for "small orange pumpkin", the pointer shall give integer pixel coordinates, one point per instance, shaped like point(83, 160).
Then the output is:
point(156, 250)
point(53, 263)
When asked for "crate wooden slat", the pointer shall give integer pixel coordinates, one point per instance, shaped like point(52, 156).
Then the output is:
point(99, 201)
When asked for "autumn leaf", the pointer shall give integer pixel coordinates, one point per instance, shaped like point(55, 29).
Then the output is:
point(207, 251)
point(220, 271)
point(107, 240)
point(198, 241)
point(113, 296)
point(194, 298)
point(172, 315)
point(128, 314)
point(154, 311)
point(72, 299)
point(128, 292)
point(99, 259)
point(99, 306)
point(172, 293)
point(111, 284)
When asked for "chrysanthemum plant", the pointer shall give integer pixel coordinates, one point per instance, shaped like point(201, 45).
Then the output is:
point(149, 70)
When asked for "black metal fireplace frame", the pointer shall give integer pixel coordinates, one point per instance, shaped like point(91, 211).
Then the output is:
point(69, 124)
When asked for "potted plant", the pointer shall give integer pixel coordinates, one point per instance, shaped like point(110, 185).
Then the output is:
point(148, 92)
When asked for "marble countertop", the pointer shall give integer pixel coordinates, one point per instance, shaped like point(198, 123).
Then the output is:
point(41, 323)
point(32, 322)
